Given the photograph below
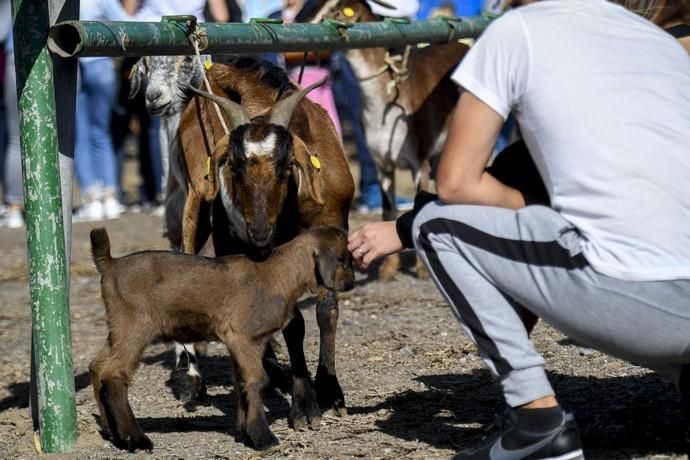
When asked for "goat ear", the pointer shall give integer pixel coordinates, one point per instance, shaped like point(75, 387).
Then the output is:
point(136, 77)
point(219, 151)
point(326, 266)
point(307, 173)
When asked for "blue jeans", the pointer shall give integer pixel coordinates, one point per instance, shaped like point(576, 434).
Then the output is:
point(348, 99)
point(94, 156)
point(12, 171)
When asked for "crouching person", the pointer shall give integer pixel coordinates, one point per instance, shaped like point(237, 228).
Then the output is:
point(160, 295)
point(602, 98)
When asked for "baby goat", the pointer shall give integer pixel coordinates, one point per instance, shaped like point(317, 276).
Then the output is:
point(160, 295)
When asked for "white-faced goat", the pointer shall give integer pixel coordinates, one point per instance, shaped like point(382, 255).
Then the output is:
point(162, 295)
point(160, 78)
point(408, 99)
point(280, 170)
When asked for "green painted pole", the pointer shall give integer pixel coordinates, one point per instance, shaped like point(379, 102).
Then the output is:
point(48, 275)
point(170, 36)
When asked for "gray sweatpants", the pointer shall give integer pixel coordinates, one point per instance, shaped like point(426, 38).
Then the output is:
point(485, 259)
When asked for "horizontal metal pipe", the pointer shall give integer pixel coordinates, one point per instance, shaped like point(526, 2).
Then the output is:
point(170, 36)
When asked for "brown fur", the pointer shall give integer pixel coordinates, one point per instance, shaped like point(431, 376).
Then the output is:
point(159, 295)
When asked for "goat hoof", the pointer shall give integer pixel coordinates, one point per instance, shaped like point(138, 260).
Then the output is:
point(299, 423)
point(328, 392)
point(141, 442)
point(187, 387)
point(305, 411)
point(264, 440)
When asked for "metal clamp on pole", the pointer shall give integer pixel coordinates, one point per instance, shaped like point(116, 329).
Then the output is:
point(340, 26)
point(197, 35)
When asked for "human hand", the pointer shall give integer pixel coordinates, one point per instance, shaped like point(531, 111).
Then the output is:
point(373, 240)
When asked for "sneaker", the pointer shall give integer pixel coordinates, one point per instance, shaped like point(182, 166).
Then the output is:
point(112, 209)
point(515, 443)
point(14, 218)
point(89, 212)
point(403, 203)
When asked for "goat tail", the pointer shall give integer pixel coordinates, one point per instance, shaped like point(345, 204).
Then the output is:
point(100, 249)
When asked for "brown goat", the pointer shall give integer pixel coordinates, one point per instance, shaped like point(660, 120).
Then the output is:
point(282, 169)
point(161, 295)
point(405, 112)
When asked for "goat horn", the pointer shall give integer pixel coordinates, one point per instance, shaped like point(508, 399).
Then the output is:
point(238, 114)
point(282, 111)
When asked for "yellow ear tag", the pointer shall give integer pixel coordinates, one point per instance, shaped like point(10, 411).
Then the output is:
point(208, 166)
point(315, 161)
point(348, 12)
point(131, 72)
point(208, 64)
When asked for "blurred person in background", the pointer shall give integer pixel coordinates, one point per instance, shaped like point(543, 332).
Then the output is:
point(5, 26)
point(94, 155)
point(13, 191)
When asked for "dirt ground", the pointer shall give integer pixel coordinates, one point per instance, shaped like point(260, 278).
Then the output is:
point(414, 385)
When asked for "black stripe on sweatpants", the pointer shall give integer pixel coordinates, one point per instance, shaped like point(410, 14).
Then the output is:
point(548, 253)
point(462, 305)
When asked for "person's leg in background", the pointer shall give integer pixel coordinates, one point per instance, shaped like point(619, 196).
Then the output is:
point(156, 166)
point(84, 164)
point(3, 115)
point(12, 178)
point(348, 99)
point(149, 156)
point(120, 119)
point(99, 75)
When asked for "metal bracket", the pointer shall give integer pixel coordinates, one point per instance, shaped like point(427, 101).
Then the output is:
point(339, 25)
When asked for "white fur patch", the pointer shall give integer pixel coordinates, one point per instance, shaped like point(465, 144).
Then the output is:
point(262, 148)
point(238, 227)
point(186, 348)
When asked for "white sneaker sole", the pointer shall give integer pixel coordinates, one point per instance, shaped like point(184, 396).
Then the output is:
point(575, 455)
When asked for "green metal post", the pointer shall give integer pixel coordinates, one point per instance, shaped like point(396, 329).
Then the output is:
point(48, 275)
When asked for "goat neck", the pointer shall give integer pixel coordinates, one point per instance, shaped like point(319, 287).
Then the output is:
point(297, 273)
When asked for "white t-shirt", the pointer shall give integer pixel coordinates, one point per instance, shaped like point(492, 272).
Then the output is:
point(602, 98)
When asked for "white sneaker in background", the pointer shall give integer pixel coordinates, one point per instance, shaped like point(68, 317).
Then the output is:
point(89, 212)
point(14, 218)
point(112, 209)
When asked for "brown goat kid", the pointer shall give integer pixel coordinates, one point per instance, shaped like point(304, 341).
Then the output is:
point(161, 295)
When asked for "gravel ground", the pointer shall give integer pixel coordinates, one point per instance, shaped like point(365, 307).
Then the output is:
point(414, 385)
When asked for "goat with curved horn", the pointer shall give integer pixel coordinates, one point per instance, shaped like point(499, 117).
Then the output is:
point(238, 114)
point(284, 108)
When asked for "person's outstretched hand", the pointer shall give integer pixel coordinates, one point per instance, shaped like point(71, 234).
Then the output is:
point(373, 240)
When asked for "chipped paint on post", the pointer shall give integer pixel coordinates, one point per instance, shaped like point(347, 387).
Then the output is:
point(48, 280)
